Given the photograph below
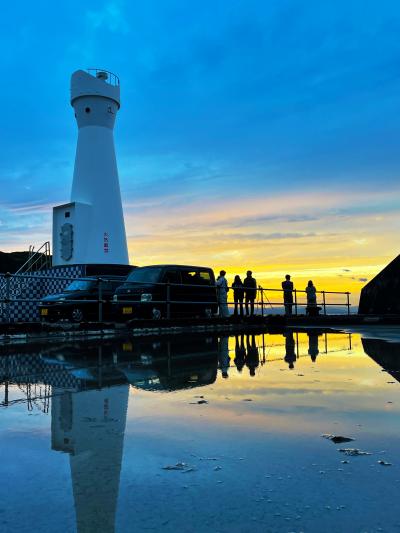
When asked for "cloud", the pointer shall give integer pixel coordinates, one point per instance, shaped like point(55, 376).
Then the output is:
point(261, 236)
point(219, 139)
point(110, 17)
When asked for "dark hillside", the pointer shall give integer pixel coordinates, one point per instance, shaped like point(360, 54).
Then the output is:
point(11, 262)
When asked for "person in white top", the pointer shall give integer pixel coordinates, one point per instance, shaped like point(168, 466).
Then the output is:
point(222, 294)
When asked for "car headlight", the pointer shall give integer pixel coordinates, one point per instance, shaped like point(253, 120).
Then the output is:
point(146, 297)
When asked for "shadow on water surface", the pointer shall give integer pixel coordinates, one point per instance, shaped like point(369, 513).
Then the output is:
point(85, 387)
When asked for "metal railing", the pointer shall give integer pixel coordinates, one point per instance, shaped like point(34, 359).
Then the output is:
point(262, 302)
point(105, 75)
point(299, 298)
point(38, 259)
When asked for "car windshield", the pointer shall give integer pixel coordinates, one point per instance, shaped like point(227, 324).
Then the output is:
point(80, 285)
point(145, 274)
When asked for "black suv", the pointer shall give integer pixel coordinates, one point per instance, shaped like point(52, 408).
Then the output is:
point(72, 303)
point(166, 291)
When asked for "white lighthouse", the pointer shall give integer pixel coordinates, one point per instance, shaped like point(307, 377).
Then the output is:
point(90, 229)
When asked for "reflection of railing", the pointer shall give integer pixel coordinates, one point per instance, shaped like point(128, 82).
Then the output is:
point(169, 300)
point(262, 347)
point(37, 388)
point(34, 395)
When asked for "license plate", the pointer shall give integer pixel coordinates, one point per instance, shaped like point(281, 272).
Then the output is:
point(127, 310)
point(44, 312)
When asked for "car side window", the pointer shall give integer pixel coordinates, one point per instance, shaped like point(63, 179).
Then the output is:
point(196, 277)
point(205, 277)
point(189, 277)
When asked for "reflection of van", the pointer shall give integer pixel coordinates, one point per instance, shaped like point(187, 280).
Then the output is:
point(190, 291)
point(169, 363)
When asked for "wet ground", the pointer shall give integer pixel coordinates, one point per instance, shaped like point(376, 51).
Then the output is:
point(202, 433)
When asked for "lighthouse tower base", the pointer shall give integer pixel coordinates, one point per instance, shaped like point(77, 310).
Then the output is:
point(76, 242)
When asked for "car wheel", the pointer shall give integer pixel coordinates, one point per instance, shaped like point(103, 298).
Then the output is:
point(208, 312)
point(77, 314)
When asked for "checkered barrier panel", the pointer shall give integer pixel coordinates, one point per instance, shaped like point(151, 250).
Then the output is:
point(34, 286)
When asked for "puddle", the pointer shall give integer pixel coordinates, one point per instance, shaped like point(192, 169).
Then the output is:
point(133, 434)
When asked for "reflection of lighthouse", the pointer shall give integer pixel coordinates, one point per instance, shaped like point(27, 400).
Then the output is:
point(90, 229)
point(90, 426)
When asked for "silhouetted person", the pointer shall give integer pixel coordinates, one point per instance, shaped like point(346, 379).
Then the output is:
point(311, 292)
point(313, 349)
point(223, 356)
point(240, 353)
point(252, 358)
point(222, 294)
point(250, 292)
point(287, 287)
point(238, 295)
point(290, 356)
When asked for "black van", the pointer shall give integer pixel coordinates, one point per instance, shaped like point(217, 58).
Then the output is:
point(162, 291)
point(72, 303)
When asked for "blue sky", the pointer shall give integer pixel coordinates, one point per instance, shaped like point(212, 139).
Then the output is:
point(224, 104)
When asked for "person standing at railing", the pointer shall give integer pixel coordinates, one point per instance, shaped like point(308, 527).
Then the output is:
point(287, 287)
point(311, 292)
point(222, 294)
point(238, 295)
point(250, 292)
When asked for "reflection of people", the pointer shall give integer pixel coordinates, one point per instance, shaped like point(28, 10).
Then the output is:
point(287, 287)
point(311, 292)
point(290, 356)
point(240, 353)
point(252, 358)
point(238, 295)
point(222, 294)
point(223, 356)
point(250, 292)
point(313, 349)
